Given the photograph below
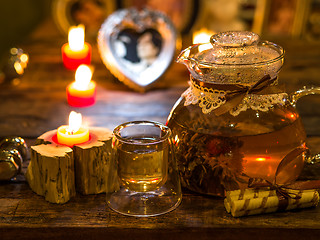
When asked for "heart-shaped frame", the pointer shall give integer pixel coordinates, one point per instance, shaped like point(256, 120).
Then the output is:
point(137, 46)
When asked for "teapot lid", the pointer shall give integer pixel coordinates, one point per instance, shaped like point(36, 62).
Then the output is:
point(233, 57)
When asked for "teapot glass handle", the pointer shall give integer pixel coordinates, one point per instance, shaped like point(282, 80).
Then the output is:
point(311, 160)
point(295, 96)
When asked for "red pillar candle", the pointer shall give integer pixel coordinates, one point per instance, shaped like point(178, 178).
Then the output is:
point(82, 92)
point(76, 51)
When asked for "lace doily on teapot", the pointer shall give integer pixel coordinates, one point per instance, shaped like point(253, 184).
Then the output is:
point(210, 99)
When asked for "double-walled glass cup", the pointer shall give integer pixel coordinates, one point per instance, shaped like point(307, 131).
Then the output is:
point(146, 167)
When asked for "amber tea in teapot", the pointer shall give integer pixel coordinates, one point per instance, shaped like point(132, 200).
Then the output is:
point(234, 122)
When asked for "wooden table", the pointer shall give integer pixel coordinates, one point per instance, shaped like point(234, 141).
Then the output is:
point(38, 104)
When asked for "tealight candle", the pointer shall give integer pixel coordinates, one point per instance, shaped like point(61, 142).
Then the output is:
point(74, 133)
point(76, 51)
point(82, 92)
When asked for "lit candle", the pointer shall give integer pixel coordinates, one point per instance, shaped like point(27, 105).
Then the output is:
point(82, 92)
point(76, 51)
point(202, 37)
point(74, 133)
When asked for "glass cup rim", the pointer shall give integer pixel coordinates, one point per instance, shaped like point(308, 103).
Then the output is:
point(116, 132)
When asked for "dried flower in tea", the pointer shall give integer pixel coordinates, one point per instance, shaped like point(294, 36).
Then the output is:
point(208, 163)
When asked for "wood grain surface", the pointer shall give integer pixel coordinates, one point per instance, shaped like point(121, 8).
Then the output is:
point(38, 104)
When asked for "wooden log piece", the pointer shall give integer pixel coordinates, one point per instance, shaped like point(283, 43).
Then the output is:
point(93, 168)
point(51, 170)
point(86, 167)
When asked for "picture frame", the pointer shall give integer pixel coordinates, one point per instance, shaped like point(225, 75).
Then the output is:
point(182, 13)
point(311, 32)
point(137, 46)
point(247, 12)
point(221, 15)
point(90, 13)
point(281, 18)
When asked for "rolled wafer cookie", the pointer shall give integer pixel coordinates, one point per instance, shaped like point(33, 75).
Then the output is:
point(265, 201)
point(250, 193)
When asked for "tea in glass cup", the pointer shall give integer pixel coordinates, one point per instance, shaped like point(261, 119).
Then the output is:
point(147, 171)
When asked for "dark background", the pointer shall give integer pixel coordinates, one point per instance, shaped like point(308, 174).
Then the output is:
point(18, 18)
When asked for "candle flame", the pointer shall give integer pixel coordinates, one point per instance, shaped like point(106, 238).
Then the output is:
point(75, 121)
point(76, 37)
point(83, 77)
point(202, 36)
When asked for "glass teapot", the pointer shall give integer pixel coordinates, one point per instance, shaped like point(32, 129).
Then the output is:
point(234, 122)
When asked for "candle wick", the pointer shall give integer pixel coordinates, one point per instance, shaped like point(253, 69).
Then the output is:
point(72, 132)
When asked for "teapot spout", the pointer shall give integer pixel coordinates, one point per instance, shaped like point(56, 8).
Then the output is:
point(184, 57)
point(191, 53)
point(188, 57)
